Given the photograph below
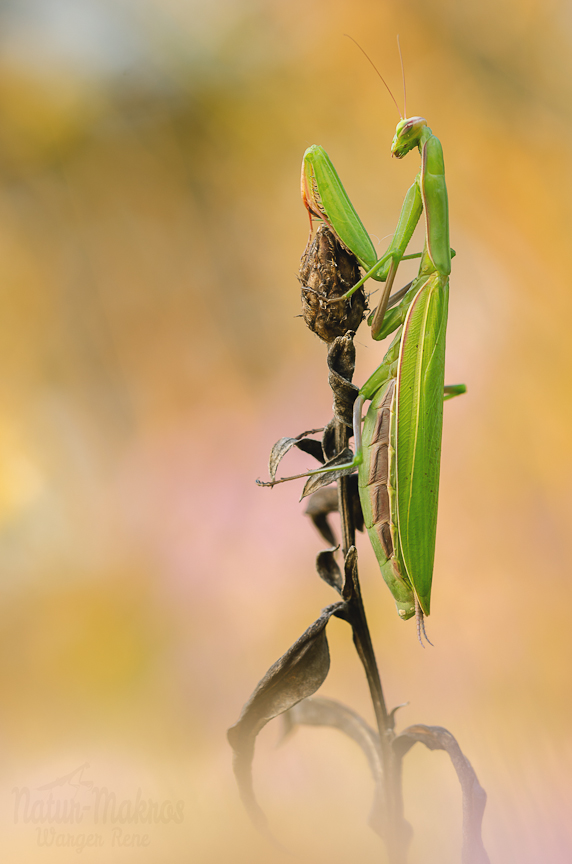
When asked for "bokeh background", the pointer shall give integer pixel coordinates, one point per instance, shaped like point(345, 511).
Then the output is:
point(150, 233)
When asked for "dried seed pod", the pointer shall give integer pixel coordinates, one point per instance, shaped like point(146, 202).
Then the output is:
point(327, 271)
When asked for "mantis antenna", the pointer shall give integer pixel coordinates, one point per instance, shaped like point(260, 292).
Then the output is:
point(378, 72)
point(402, 77)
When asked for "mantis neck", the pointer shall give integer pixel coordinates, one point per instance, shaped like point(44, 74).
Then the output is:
point(424, 136)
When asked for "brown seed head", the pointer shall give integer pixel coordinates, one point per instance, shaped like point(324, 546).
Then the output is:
point(327, 271)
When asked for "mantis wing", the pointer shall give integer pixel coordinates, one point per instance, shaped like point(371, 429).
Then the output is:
point(420, 381)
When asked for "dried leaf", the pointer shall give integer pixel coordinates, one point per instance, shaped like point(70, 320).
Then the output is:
point(311, 446)
point(323, 526)
point(325, 501)
point(341, 364)
point(283, 445)
point(328, 569)
point(329, 440)
point(296, 675)
point(321, 503)
point(317, 481)
point(351, 587)
point(342, 357)
point(327, 712)
point(474, 796)
point(344, 397)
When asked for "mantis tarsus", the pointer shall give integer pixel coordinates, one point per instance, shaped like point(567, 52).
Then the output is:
point(398, 453)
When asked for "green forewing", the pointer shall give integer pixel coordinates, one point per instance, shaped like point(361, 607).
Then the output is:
point(419, 427)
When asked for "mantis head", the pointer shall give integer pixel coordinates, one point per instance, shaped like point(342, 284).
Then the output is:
point(407, 135)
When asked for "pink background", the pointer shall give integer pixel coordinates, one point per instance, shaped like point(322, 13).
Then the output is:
point(150, 234)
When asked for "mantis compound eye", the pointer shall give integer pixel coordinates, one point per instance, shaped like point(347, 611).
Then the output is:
point(412, 126)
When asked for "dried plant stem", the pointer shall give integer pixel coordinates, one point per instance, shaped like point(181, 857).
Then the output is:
point(289, 685)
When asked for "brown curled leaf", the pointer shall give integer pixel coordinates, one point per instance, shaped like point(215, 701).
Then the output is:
point(321, 503)
point(328, 569)
point(316, 711)
point(351, 587)
point(474, 796)
point(296, 675)
point(325, 501)
point(342, 357)
point(329, 440)
point(317, 481)
point(341, 364)
point(302, 442)
point(328, 712)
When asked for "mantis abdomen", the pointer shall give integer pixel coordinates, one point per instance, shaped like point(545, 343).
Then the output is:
point(376, 483)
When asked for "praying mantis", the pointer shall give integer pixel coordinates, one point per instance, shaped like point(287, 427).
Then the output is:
point(398, 452)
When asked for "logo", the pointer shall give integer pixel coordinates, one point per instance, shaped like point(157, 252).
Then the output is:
point(73, 811)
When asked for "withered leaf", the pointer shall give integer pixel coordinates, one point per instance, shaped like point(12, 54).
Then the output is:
point(329, 440)
point(296, 675)
point(341, 364)
point(342, 357)
point(317, 481)
point(325, 501)
point(316, 711)
point(311, 446)
point(474, 796)
point(328, 712)
point(321, 503)
point(283, 445)
point(328, 569)
point(351, 587)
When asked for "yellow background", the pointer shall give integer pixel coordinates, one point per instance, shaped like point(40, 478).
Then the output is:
point(150, 234)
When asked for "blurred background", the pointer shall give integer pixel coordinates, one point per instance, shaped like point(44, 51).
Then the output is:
point(151, 353)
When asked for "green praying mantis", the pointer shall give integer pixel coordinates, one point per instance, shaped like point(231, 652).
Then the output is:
point(398, 452)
